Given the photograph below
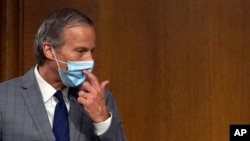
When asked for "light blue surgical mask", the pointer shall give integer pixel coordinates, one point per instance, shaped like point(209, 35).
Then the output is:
point(74, 75)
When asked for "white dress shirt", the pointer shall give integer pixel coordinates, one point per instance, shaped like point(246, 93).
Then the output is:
point(50, 103)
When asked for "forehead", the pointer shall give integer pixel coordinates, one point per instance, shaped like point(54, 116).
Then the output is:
point(81, 31)
point(79, 36)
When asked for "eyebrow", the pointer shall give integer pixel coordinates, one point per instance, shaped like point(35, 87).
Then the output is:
point(83, 47)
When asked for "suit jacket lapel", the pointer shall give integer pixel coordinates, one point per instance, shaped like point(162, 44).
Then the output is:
point(81, 127)
point(35, 105)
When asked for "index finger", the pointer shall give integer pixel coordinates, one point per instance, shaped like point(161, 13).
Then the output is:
point(92, 78)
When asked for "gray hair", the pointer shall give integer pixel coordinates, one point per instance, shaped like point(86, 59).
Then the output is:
point(51, 30)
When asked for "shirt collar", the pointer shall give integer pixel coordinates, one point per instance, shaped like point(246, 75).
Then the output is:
point(46, 89)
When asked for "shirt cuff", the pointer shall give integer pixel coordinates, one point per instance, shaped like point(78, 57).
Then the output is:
point(102, 127)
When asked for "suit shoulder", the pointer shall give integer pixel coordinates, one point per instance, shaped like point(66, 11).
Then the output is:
point(12, 82)
point(25, 79)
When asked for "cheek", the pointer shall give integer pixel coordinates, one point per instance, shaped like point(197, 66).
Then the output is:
point(87, 56)
point(62, 66)
point(74, 56)
point(81, 56)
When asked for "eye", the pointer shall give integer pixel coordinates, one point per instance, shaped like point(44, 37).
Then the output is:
point(82, 50)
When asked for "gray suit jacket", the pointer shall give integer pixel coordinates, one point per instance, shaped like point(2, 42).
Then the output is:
point(23, 116)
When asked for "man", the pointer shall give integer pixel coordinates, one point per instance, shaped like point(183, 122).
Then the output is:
point(60, 98)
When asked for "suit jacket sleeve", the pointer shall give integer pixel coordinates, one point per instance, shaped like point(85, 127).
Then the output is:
point(115, 131)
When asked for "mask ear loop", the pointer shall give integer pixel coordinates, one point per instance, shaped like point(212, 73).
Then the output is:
point(56, 59)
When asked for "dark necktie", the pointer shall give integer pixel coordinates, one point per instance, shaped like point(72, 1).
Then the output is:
point(61, 121)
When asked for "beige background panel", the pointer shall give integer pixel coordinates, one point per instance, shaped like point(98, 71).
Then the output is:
point(178, 69)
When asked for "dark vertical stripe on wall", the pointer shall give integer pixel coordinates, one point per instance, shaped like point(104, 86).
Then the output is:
point(11, 43)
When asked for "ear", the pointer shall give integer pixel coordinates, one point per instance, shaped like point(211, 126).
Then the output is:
point(48, 52)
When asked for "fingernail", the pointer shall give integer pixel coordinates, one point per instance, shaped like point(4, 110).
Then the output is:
point(81, 93)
